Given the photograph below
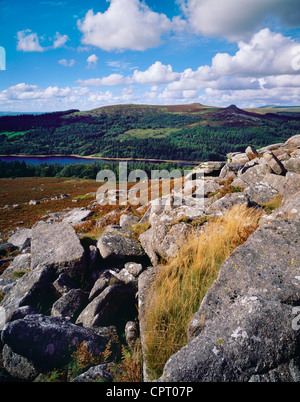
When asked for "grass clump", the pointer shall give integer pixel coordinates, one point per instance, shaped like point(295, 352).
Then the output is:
point(275, 203)
point(180, 286)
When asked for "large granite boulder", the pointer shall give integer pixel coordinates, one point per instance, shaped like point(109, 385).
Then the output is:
point(56, 245)
point(46, 342)
point(244, 328)
point(115, 246)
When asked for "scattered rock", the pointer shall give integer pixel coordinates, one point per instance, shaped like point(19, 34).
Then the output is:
point(21, 238)
point(55, 339)
point(56, 245)
point(274, 163)
point(20, 264)
point(77, 215)
point(96, 373)
point(115, 246)
point(70, 305)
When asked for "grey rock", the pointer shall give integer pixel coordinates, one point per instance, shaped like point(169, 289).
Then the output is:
point(244, 326)
point(77, 216)
point(113, 302)
point(18, 366)
point(292, 165)
point(261, 192)
point(6, 283)
point(96, 373)
point(286, 185)
point(63, 284)
point(266, 265)
point(145, 296)
point(228, 201)
point(274, 163)
point(70, 305)
point(163, 241)
point(294, 141)
point(252, 175)
point(240, 158)
point(131, 333)
point(21, 238)
point(271, 147)
point(128, 220)
point(48, 341)
point(33, 289)
point(231, 167)
point(105, 279)
point(21, 263)
point(250, 338)
point(133, 268)
point(114, 246)
point(56, 245)
point(34, 202)
point(251, 152)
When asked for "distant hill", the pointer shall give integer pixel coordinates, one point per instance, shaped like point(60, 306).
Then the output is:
point(192, 132)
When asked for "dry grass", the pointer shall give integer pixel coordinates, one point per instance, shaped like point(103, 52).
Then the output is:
point(21, 190)
point(180, 287)
point(275, 203)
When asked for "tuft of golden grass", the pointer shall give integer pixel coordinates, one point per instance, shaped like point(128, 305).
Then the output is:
point(275, 203)
point(181, 285)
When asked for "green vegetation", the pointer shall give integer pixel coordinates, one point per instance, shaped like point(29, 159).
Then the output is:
point(190, 132)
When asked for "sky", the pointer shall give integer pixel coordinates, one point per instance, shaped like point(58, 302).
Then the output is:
point(74, 54)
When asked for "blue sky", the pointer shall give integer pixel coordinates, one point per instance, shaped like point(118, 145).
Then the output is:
point(86, 54)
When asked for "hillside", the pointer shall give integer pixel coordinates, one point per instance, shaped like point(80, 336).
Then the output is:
point(196, 284)
point(177, 132)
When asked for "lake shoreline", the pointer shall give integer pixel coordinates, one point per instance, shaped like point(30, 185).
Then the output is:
point(102, 158)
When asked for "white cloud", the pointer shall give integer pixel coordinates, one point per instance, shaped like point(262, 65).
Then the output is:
point(92, 60)
point(157, 73)
point(60, 40)
point(267, 53)
point(28, 41)
point(127, 24)
point(110, 80)
point(237, 19)
point(66, 63)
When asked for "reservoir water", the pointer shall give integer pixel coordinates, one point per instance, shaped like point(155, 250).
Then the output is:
point(68, 160)
point(62, 160)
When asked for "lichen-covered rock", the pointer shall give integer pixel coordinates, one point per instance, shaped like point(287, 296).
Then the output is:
point(33, 289)
point(46, 342)
point(70, 305)
point(244, 326)
point(101, 372)
point(114, 301)
point(252, 337)
point(274, 163)
point(114, 246)
point(56, 245)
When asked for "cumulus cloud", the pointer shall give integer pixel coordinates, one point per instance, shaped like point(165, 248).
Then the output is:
point(28, 41)
point(237, 19)
point(127, 24)
point(92, 60)
point(60, 40)
point(158, 73)
point(267, 53)
point(110, 80)
point(66, 63)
